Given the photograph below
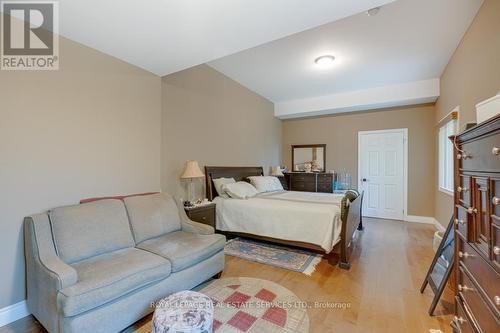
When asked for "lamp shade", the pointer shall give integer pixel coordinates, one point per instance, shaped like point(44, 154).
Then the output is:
point(276, 171)
point(192, 170)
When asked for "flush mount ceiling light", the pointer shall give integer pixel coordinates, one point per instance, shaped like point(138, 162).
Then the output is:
point(325, 61)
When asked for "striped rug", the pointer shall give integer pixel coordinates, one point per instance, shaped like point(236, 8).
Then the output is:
point(274, 255)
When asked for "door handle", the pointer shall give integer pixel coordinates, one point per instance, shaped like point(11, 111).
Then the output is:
point(364, 180)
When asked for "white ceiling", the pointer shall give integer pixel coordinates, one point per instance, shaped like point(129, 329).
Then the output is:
point(165, 36)
point(408, 40)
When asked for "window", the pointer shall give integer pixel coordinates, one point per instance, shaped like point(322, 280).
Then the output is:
point(446, 156)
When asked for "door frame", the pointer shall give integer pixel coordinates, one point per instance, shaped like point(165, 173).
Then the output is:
point(404, 131)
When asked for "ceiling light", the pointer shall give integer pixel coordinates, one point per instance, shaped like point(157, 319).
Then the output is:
point(373, 11)
point(325, 61)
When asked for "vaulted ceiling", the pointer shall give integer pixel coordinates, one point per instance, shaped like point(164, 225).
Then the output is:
point(165, 36)
point(392, 58)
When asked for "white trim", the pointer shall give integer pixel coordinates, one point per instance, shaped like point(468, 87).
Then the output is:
point(445, 191)
point(405, 160)
point(410, 93)
point(425, 220)
point(439, 226)
point(13, 312)
point(420, 219)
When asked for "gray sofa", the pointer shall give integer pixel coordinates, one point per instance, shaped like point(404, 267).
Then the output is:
point(96, 267)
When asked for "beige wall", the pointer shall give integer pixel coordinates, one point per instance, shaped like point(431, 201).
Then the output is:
point(340, 134)
point(90, 129)
point(212, 119)
point(472, 75)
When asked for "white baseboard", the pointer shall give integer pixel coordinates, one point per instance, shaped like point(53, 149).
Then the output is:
point(439, 226)
point(419, 219)
point(426, 220)
point(13, 312)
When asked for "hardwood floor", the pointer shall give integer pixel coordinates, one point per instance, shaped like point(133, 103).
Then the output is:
point(381, 288)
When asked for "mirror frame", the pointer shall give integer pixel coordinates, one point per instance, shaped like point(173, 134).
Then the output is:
point(310, 146)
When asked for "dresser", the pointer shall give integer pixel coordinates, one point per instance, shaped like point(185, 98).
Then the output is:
point(310, 181)
point(477, 228)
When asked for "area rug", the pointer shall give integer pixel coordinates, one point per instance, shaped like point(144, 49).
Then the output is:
point(274, 255)
point(253, 306)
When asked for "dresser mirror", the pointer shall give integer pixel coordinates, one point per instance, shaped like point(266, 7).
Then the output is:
point(308, 158)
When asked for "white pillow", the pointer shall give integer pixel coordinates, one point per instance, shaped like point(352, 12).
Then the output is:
point(266, 183)
point(240, 190)
point(219, 183)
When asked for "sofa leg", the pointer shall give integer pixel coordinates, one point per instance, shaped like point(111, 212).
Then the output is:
point(218, 275)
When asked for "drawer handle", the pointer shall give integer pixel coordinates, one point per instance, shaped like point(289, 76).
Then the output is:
point(497, 300)
point(472, 210)
point(203, 218)
point(457, 222)
point(462, 189)
point(495, 201)
point(464, 288)
point(464, 156)
point(459, 320)
point(495, 151)
point(465, 255)
point(496, 250)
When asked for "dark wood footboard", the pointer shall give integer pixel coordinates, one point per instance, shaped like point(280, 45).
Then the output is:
point(351, 220)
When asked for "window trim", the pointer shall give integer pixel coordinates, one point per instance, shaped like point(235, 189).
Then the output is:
point(441, 155)
point(445, 191)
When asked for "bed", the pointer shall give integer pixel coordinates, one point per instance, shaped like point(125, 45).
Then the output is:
point(287, 217)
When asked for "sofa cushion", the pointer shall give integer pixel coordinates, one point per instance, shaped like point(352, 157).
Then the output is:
point(152, 215)
point(184, 249)
point(106, 277)
point(87, 230)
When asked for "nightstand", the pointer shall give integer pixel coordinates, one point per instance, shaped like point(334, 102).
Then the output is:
point(203, 214)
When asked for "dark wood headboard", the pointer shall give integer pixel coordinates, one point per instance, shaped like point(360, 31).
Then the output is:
point(238, 173)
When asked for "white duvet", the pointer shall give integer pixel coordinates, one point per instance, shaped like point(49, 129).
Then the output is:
point(296, 216)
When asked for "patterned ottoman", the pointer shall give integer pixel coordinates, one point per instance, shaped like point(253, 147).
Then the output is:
point(183, 312)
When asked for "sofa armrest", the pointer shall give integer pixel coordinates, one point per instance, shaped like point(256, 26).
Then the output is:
point(188, 225)
point(63, 274)
point(46, 273)
point(197, 228)
point(40, 250)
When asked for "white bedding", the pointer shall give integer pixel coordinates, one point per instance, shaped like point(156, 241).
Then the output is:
point(324, 198)
point(296, 216)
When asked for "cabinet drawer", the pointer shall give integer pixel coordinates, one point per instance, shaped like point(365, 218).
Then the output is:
point(309, 177)
point(479, 154)
point(462, 221)
point(481, 312)
point(205, 216)
point(462, 321)
point(463, 190)
point(484, 275)
point(482, 221)
point(303, 185)
point(325, 177)
point(325, 187)
point(495, 197)
point(495, 222)
point(495, 242)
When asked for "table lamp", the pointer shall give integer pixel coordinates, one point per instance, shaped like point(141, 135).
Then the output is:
point(276, 171)
point(191, 171)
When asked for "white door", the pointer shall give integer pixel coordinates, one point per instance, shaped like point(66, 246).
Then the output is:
point(381, 172)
